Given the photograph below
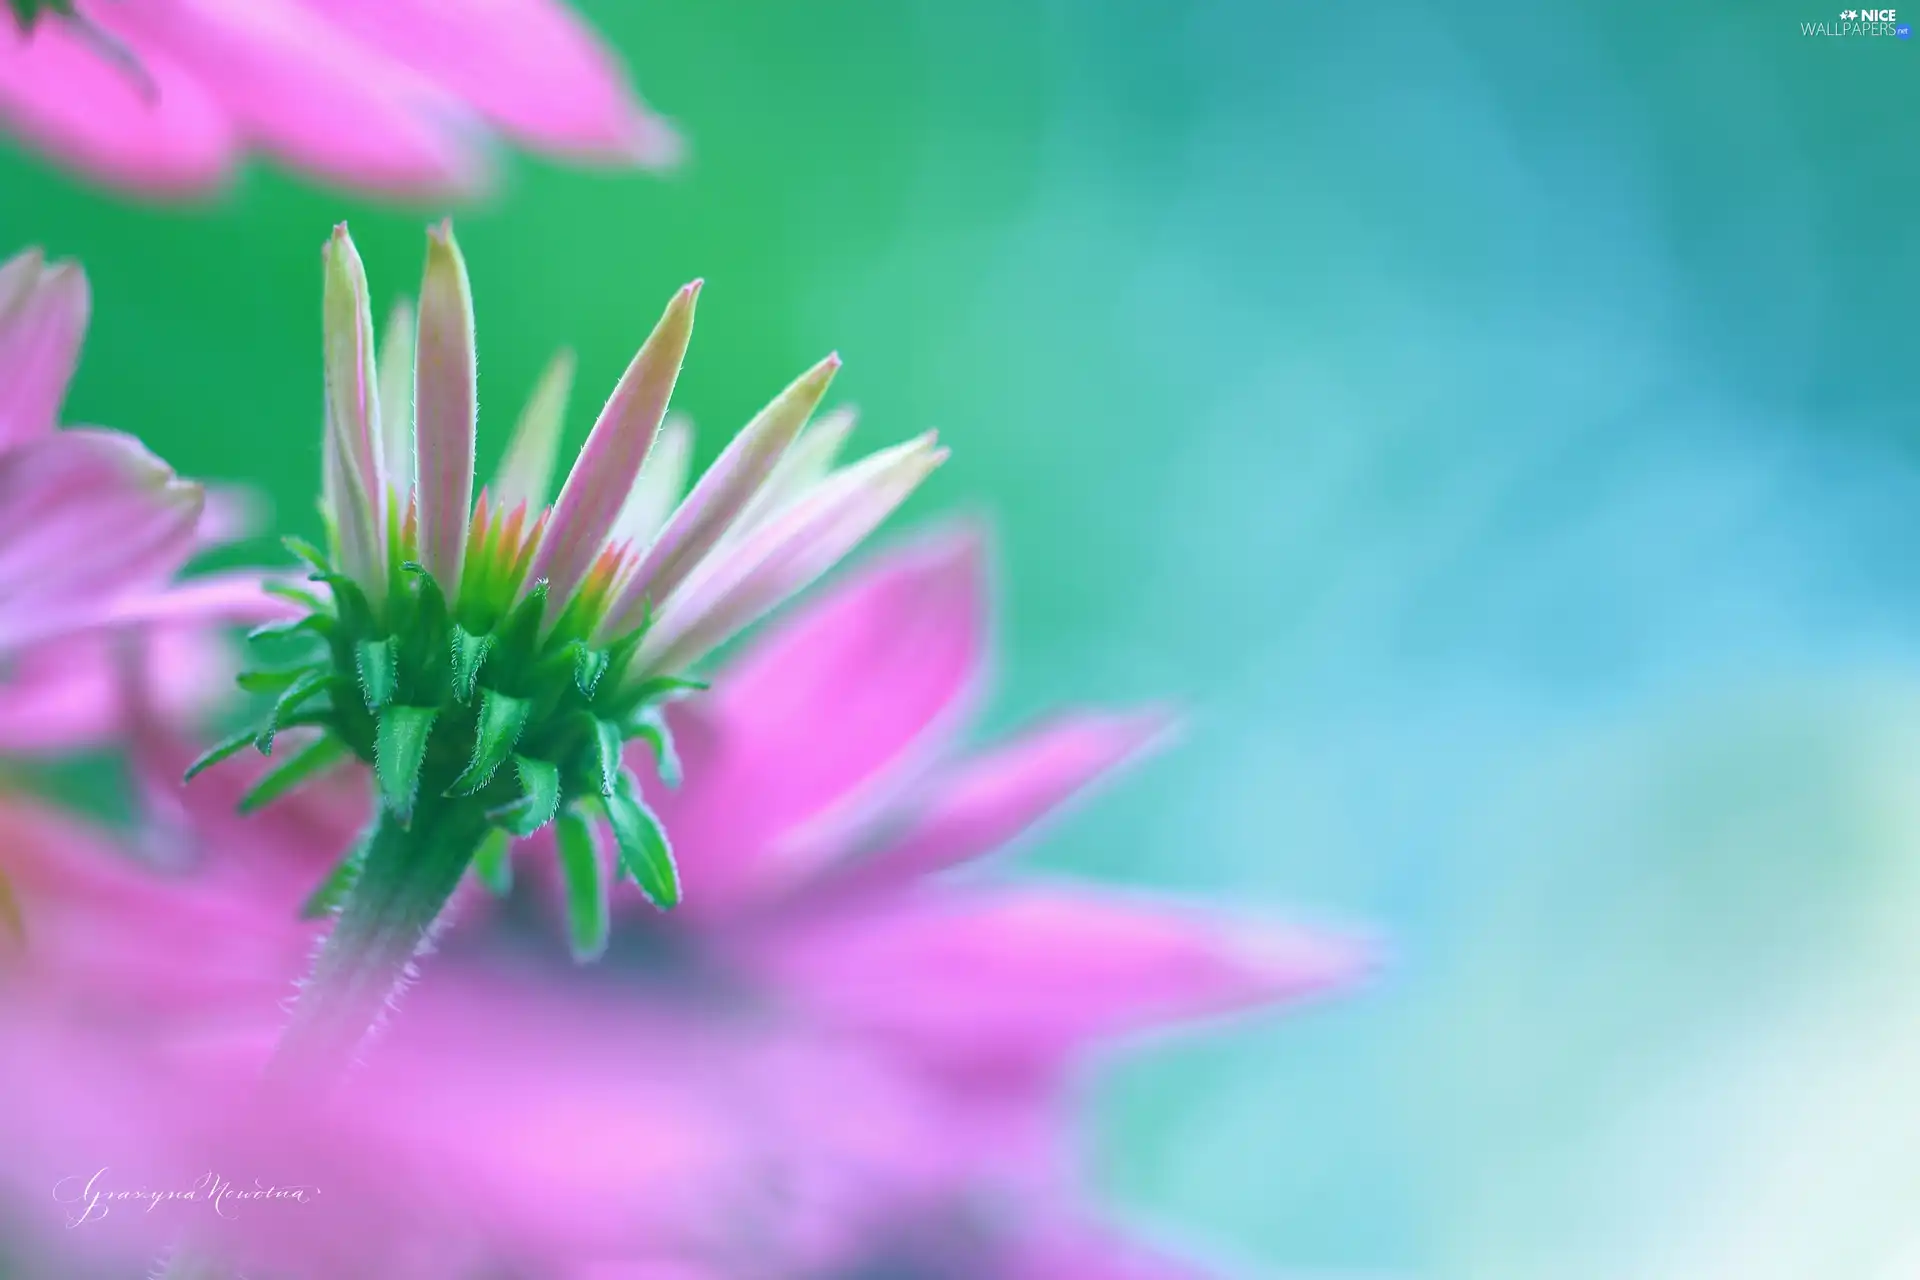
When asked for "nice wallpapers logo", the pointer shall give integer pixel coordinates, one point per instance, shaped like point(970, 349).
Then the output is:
point(1861, 22)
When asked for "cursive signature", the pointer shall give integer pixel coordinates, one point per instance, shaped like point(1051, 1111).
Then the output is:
point(91, 1197)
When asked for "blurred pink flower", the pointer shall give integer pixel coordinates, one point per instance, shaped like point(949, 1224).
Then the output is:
point(824, 797)
point(396, 97)
point(93, 529)
point(842, 1061)
point(823, 800)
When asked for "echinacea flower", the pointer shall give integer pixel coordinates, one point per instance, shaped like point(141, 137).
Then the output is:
point(837, 1061)
point(671, 1121)
point(397, 97)
point(489, 659)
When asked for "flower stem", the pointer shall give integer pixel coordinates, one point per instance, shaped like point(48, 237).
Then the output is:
point(406, 879)
point(409, 872)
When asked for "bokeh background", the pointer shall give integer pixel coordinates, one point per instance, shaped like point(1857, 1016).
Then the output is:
point(1491, 423)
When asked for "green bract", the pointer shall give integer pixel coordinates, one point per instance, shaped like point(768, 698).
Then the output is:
point(469, 705)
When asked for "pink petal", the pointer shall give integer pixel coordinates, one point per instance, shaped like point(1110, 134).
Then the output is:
point(719, 496)
point(661, 484)
point(1032, 975)
point(979, 805)
point(526, 470)
point(19, 277)
point(114, 936)
point(529, 66)
point(597, 486)
point(750, 577)
point(236, 597)
point(275, 857)
point(81, 1097)
point(298, 86)
point(829, 713)
point(445, 409)
point(396, 398)
point(91, 517)
point(669, 1131)
point(70, 694)
point(805, 465)
point(350, 365)
point(41, 326)
point(67, 101)
point(231, 513)
point(355, 457)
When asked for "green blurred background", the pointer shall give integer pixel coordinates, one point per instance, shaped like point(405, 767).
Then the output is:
point(1491, 424)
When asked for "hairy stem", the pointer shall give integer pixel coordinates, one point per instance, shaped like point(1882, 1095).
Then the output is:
point(409, 873)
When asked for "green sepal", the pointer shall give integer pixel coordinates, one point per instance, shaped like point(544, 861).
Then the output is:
point(607, 744)
point(349, 601)
point(308, 554)
point(539, 799)
point(588, 666)
point(586, 887)
point(294, 595)
point(332, 891)
point(273, 682)
point(501, 720)
point(469, 655)
point(379, 665)
point(493, 862)
point(313, 624)
point(620, 657)
point(666, 688)
point(322, 755)
point(429, 610)
point(225, 749)
point(650, 726)
point(645, 855)
point(320, 716)
point(400, 748)
point(303, 690)
point(560, 664)
point(520, 632)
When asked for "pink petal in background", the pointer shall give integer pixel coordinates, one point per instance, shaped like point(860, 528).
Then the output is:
point(62, 98)
point(43, 317)
point(396, 97)
point(1035, 974)
point(529, 66)
point(829, 715)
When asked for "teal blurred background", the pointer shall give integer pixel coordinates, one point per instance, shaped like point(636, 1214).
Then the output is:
point(1493, 425)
